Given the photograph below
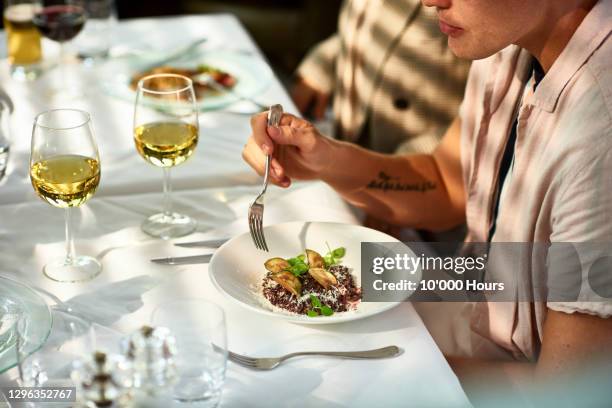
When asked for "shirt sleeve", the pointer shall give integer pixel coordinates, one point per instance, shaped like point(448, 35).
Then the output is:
point(582, 221)
point(319, 66)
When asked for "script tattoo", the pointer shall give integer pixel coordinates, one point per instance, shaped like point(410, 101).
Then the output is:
point(385, 182)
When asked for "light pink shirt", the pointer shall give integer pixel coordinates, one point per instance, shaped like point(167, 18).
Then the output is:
point(561, 184)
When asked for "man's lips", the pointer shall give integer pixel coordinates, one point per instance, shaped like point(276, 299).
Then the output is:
point(450, 30)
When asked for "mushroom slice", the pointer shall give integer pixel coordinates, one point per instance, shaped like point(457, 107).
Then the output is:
point(288, 281)
point(276, 265)
point(314, 259)
point(325, 278)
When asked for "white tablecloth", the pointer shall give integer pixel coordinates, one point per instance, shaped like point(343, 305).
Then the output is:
point(215, 187)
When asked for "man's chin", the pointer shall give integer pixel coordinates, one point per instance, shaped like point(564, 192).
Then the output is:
point(468, 50)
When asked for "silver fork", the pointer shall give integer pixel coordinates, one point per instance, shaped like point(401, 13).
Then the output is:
point(256, 209)
point(268, 363)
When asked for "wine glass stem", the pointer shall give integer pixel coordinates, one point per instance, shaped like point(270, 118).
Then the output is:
point(167, 193)
point(62, 67)
point(69, 237)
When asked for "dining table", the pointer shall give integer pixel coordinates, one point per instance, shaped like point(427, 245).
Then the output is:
point(215, 187)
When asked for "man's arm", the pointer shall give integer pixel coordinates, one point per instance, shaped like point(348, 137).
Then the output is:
point(417, 190)
point(316, 78)
point(573, 340)
point(572, 347)
point(423, 191)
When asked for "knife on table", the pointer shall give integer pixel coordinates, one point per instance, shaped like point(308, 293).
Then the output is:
point(184, 260)
point(211, 243)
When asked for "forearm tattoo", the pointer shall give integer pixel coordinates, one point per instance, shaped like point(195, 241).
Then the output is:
point(385, 182)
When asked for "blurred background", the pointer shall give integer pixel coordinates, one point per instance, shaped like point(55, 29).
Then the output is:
point(284, 29)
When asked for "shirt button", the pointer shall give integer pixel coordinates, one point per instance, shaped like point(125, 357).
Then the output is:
point(401, 103)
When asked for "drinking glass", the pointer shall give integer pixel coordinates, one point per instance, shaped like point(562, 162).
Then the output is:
point(22, 38)
point(166, 135)
point(51, 365)
point(94, 42)
point(65, 172)
point(201, 348)
point(61, 21)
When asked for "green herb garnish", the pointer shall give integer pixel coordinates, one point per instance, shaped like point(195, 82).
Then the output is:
point(314, 301)
point(326, 311)
point(297, 266)
point(333, 257)
point(318, 308)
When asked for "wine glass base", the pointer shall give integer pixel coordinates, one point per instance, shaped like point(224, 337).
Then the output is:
point(167, 226)
point(82, 268)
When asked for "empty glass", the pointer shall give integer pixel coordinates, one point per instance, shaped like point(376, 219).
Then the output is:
point(94, 41)
point(201, 348)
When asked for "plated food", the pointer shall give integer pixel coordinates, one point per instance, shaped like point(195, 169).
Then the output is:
point(247, 75)
point(237, 268)
point(201, 87)
point(311, 284)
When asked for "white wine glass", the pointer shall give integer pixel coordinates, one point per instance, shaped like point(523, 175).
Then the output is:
point(65, 172)
point(166, 135)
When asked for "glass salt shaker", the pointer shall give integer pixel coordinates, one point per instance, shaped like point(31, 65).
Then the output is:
point(151, 351)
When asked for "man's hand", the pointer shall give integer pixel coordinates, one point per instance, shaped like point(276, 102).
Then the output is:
point(308, 99)
point(382, 185)
point(299, 150)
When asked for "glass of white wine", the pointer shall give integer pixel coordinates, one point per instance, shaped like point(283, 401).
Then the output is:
point(65, 172)
point(166, 135)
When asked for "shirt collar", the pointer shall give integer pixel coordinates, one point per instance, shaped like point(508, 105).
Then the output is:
point(591, 33)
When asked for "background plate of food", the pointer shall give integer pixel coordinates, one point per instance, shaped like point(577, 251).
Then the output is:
point(242, 73)
point(312, 274)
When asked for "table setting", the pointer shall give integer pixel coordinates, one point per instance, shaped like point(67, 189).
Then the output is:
point(159, 288)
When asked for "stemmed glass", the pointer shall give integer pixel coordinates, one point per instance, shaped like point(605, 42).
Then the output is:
point(65, 172)
point(61, 21)
point(166, 135)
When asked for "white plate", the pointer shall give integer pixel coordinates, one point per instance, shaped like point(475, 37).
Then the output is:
point(237, 268)
point(253, 76)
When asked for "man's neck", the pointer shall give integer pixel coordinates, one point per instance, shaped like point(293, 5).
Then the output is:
point(547, 42)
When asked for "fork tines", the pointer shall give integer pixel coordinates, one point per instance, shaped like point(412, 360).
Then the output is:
point(256, 225)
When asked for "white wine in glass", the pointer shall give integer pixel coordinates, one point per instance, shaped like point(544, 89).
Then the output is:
point(65, 172)
point(166, 135)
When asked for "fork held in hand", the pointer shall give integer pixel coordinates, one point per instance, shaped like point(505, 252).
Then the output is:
point(256, 209)
point(268, 363)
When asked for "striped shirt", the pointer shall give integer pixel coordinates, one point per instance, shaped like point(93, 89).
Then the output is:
point(561, 184)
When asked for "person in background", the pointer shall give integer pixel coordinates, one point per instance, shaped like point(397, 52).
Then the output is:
point(527, 160)
point(394, 83)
